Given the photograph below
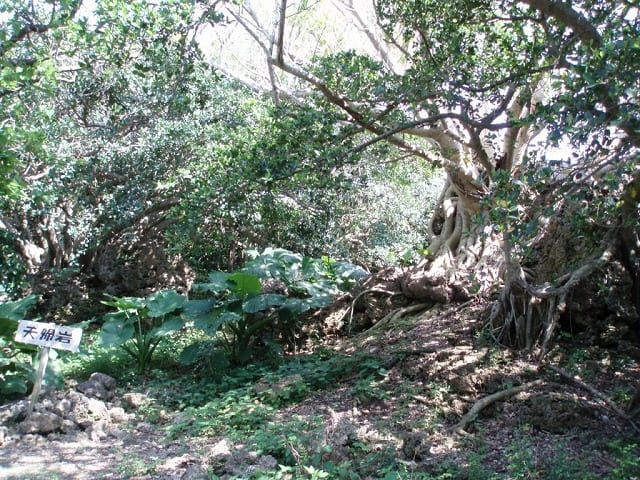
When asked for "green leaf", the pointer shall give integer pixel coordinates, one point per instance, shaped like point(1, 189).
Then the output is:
point(211, 322)
point(286, 314)
point(193, 309)
point(192, 353)
point(245, 283)
point(116, 332)
point(170, 325)
point(217, 283)
point(320, 287)
point(263, 302)
point(311, 267)
point(13, 384)
point(349, 270)
point(286, 256)
point(53, 374)
point(163, 302)
point(18, 309)
point(296, 305)
point(300, 305)
point(128, 304)
point(8, 327)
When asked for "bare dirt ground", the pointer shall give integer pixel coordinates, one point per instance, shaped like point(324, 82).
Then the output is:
point(127, 452)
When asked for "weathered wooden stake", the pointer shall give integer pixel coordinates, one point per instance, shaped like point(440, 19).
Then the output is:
point(44, 358)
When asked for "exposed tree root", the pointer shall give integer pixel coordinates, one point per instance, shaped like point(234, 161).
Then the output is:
point(525, 316)
point(351, 309)
point(596, 393)
point(401, 312)
point(395, 292)
point(484, 402)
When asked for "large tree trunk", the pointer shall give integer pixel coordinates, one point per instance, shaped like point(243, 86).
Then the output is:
point(43, 241)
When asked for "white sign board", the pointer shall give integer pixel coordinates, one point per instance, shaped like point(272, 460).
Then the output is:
point(48, 335)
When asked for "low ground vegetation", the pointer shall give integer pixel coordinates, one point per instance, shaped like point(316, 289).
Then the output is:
point(380, 404)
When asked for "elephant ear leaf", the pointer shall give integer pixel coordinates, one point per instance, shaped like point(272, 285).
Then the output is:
point(216, 285)
point(245, 283)
point(263, 302)
point(163, 302)
point(128, 304)
point(8, 327)
point(193, 309)
point(212, 321)
point(18, 309)
point(170, 325)
point(116, 331)
point(300, 305)
point(14, 384)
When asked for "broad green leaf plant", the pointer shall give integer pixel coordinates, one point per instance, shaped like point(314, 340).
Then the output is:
point(139, 324)
point(16, 366)
point(242, 313)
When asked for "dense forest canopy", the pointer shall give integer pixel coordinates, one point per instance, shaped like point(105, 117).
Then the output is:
point(144, 144)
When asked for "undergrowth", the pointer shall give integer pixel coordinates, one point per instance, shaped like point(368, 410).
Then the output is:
point(281, 408)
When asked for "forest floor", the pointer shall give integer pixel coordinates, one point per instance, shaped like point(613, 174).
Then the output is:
point(380, 404)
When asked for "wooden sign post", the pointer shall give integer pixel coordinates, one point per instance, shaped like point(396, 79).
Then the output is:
point(47, 336)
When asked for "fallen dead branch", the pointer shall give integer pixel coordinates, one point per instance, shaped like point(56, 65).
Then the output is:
point(596, 393)
point(484, 402)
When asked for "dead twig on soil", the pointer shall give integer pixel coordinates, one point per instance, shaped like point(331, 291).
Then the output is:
point(621, 413)
point(484, 402)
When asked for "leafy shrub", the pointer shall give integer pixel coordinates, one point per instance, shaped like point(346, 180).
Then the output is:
point(140, 324)
point(240, 309)
point(16, 370)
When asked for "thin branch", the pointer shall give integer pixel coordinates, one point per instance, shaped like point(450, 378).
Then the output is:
point(384, 55)
point(241, 20)
point(280, 41)
point(507, 80)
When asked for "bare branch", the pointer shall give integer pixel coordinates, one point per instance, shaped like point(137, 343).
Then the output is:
point(243, 22)
point(364, 27)
point(280, 41)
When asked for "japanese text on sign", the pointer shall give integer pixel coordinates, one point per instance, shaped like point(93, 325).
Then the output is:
point(48, 335)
